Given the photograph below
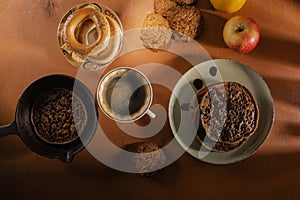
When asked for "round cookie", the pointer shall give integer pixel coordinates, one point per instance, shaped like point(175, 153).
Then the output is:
point(149, 158)
point(164, 7)
point(156, 31)
point(228, 116)
point(186, 22)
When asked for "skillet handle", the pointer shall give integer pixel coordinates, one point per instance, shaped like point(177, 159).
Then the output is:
point(8, 129)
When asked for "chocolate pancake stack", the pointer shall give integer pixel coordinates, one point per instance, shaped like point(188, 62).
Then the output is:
point(226, 116)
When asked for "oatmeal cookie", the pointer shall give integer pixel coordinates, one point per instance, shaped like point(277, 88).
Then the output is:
point(164, 7)
point(185, 2)
point(149, 158)
point(156, 31)
point(186, 22)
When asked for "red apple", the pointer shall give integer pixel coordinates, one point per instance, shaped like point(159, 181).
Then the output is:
point(241, 33)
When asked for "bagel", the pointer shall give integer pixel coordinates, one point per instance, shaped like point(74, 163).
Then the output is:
point(86, 29)
point(74, 22)
point(102, 55)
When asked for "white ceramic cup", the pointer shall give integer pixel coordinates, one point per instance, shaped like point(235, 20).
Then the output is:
point(125, 95)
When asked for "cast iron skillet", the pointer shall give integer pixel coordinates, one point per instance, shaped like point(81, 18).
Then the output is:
point(24, 128)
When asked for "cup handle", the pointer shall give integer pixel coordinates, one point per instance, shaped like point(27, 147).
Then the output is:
point(151, 114)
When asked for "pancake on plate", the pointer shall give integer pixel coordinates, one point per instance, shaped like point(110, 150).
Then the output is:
point(226, 116)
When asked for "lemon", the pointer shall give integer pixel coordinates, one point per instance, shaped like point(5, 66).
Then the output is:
point(228, 6)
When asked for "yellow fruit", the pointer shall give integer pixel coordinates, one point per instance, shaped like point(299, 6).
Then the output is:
point(228, 6)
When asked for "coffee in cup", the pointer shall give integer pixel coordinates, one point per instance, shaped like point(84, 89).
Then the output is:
point(125, 95)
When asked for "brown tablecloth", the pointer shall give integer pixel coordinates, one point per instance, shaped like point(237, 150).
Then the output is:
point(29, 50)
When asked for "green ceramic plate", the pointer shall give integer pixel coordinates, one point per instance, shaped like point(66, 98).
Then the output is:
point(214, 71)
